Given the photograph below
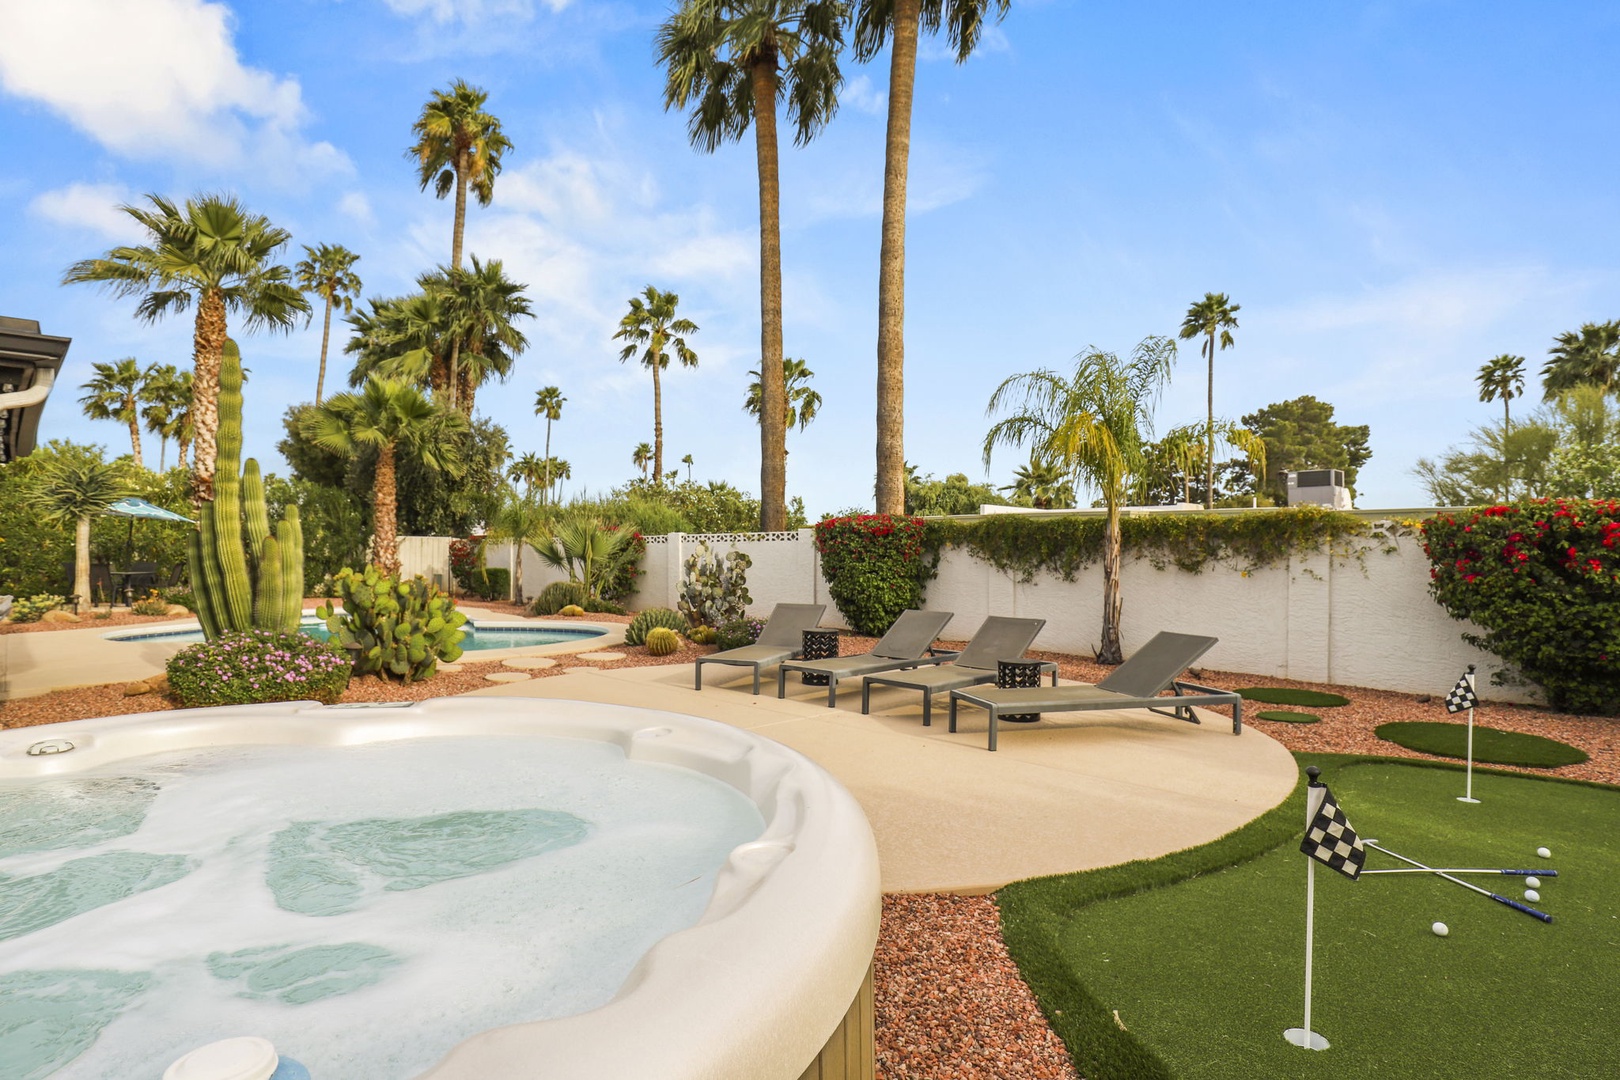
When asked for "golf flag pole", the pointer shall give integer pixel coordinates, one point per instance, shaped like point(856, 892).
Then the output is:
point(1462, 697)
point(1303, 1036)
point(1328, 839)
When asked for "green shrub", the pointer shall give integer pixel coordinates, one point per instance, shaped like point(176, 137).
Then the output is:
point(33, 608)
point(257, 666)
point(393, 628)
point(875, 568)
point(636, 632)
point(701, 635)
point(714, 588)
point(662, 641)
point(491, 584)
point(556, 596)
point(737, 633)
point(181, 595)
point(1542, 579)
point(596, 606)
point(150, 604)
point(619, 582)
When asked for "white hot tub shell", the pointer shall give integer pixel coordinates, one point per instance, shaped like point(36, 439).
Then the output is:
point(753, 991)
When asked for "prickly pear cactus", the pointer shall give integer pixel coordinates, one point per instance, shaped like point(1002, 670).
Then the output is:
point(396, 629)
point(661, 641)
point(714, 588)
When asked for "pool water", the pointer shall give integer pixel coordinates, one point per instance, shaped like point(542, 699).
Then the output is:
point(365, 908)
point(485, 636)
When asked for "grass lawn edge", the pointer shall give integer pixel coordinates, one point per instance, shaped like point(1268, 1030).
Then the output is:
point(1033, 911)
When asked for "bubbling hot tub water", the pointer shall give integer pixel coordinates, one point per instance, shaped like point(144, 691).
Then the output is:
point(365, 907)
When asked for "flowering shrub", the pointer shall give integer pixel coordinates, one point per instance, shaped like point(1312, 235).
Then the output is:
point(1542, 578)
point(738, 633)
point(33, 608)
point(876, 567)
point(256, 666)
point(466, 556)
point(150, 604)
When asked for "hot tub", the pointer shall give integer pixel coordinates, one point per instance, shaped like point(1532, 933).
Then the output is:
point(765, 977)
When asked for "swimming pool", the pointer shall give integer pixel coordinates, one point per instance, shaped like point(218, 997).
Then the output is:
point(480, 635)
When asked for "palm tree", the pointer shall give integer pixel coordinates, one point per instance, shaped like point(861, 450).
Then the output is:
point(388, 416)
point(653, 329)
point(481, 306)
point(642, 457)
point(115, 392)
point(1177, 458)
point(1214, 314)
point(402, 337)
point(585, 548)
point(167, 411)
point(71, 492)
point(214, 254)
point(1043, 484)
point(548, 402)
point(687, 461)
point(905, 20)
point(528, 470)
point(1095, 427)
point(802, 402)
point(521, 519)
point(1588, 357)
point(1502, 377)
point(458, 145)
point(328, 272)
point(557, 470)
point(731, 60)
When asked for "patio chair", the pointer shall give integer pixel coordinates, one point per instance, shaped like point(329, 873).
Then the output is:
point(1000, 638)
point(1135, 684)
point(782, 639)
point(906, 645)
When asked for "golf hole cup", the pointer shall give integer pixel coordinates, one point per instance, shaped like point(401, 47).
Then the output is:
point(1440, 929)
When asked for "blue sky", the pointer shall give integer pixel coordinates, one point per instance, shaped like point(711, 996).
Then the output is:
point(1394, 193)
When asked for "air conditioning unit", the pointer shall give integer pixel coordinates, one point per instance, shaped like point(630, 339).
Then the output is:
point(1318, 487)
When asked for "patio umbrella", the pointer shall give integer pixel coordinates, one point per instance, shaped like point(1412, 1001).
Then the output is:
point(133, 508)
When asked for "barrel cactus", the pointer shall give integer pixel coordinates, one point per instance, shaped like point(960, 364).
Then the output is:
point(243, 576)
point(636, 632)
point(396, 629)
point(661, 641)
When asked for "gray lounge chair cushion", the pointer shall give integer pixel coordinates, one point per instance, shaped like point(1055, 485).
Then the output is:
point(999, 638)
point(787, 625)
point(1153, 667)
point(750, 655)
point(911, 635)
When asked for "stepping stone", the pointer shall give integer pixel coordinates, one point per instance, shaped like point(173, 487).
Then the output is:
point(599, 657)
point(529, 663)
point(506, 676)
point(451, 668)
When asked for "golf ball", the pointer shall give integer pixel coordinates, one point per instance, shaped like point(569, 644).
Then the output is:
point(1441, 929)
point(1543, 852)
point(1532, 883)
point(1532, 895)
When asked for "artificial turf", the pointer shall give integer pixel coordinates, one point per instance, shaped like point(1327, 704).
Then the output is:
point(1286, 717)
point(1200, 953)
point(1289, 695)
point(1491, 745)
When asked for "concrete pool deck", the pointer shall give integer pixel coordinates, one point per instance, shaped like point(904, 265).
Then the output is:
point(952, 817)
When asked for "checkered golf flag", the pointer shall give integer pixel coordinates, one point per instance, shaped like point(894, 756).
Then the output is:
point(1461, 696)
point(1331, 840)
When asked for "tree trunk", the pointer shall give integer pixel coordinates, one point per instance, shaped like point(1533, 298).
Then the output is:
point(455, 372)
point(658, 429)
point(891, 346)
point(1507, 467)
point(163, 453)
point(773, 394)
point(385, 510)
point(208, 342)
point(81, 564)
point(1209, 433)
point(180, 447)
point(326, 335)
point(135, 433)
point(518, 544)
point(1111, 651)
point(545, 499)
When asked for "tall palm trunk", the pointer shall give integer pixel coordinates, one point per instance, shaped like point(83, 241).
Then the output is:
point(455, 261)
point(180, 448)
point(81, 563)
point(326, 335)
point(658, 430)
point(208, 343)
point(1209, 433)
point(134, 430)
point(1111, 651)
point(384, 512)
point(546, 498)
point(891, 347)
point(773, 392)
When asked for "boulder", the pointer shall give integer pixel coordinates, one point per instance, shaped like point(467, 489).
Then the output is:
point(136, 689)
point(179, 611)
point(59, 616)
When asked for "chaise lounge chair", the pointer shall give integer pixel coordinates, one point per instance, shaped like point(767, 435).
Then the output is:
point(782, 639)
point(906, 645)
point(1135, 684)
point(1000, 638)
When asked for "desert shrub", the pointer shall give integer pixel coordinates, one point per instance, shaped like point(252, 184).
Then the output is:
point(1542, 579)
point(714, 588)
point(179, 594)
point(636, 632)
point(618, 582)
point(572, 611)
point(150, 604)
point(556, 596)
point(701, 635)
point(491, 584)
point(662, 641)
point(256, 666)
point(875, 566)
point(597, 606)
point(737, 633)
point(33, 608)
point(393, 628)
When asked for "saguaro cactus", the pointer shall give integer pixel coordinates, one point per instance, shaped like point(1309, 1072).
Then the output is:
point(244, 578)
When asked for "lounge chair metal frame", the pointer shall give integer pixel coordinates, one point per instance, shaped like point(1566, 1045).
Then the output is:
point(777, 642)
point(908, 644)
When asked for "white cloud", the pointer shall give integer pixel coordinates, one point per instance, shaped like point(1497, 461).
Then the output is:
point(157, 79)
point(859, 94)
point(90, 206)
point(469, 11)
point(939, 175)
point(357, 206)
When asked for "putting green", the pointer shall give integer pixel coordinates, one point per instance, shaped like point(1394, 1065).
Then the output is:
point(1206, 970)
point(1288, 695)
point(1491, 745)
point(1283, 716)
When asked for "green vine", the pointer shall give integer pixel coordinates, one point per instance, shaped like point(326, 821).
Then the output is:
point(1025, 546)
